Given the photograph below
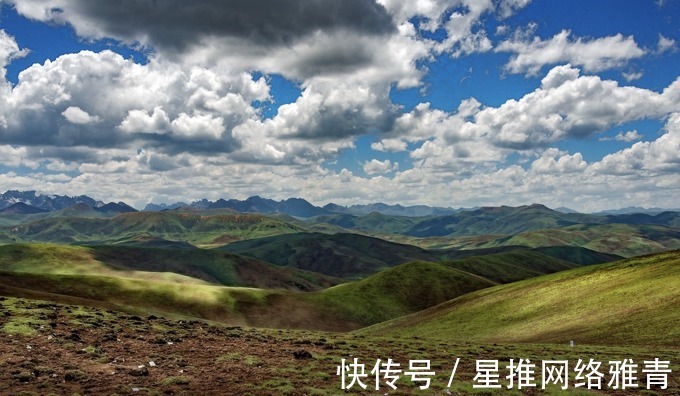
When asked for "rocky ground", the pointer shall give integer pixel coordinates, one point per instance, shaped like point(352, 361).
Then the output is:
point(48, 348)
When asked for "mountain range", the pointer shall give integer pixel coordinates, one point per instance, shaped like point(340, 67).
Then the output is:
point(45, 201)
point(296, 207)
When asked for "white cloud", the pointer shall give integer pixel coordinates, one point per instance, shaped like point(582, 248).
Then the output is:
point(529, 56)
point(140, 121)
point(76, 115)
point(200, 125)
point(666, 44)
point(632, 76)
point(16, 156)
point(374, 166)
point(558, 162)
point(389, 145)
point(9, 50)
point(509, 7)
point(568, 107)
point(628, 137)
point(103, 100)
point(183, 125)
point(559, 75)
point(647, 158)
point(565, 106)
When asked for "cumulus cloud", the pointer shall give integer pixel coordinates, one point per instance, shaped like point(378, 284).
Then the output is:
point(9, 50)
point(187, 122)
point(529, 56)
point(461, 20)
point(567, 105)
point(389, 145)
point(184, 24)
point(103, 100)
point(645, 173)
point(647, 158)
point(140, 121)
point(559, 162)
point(297, 40)
point(629, 136)
point(572, 107)
point(374, 167)
point(76, 115)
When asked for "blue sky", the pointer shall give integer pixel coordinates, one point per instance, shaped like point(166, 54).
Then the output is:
point(441, 102)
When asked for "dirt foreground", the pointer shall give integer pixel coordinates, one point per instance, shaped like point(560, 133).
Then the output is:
point(48, 348)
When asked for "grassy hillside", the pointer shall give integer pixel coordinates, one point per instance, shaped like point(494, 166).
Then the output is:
point(625, 240)
point(195, 266)
point(573, 254)
point(503, 220)
point(212, 230)
point(398, 291)
point(341, 255)
point(373, 222)
point(510, 266)
point(629, 302)
point(175, 282)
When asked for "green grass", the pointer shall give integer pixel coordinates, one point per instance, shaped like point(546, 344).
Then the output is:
point(511, 266)
point(197, 229)
point(630, 302)
point(343, 255)
point(625, 240)
point(398, 291)
point(184, 266)
point(181, 380)
point(109, 275)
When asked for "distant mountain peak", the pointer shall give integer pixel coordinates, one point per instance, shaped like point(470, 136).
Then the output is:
point(112, 207)
point(21, 208)
point(44, 201)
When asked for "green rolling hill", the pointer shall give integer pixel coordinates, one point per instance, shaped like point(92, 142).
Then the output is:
point(628, 302)
point(341, 255)
point(351, 255)
point(503, 220)
point(211, 230)
point(372, 222)
point(510, 266)
point(573, 254)
point(194, 266)
point(625, 240)
point(398, 291)
point(184, 283)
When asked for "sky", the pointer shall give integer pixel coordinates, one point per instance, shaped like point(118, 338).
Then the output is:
point(453, 103)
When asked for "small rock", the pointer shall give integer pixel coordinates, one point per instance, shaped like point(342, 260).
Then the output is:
point(140, 371)
point(73, 337)
point(74, 376)
point(302, 354)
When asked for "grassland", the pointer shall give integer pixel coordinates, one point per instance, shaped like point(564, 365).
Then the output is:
point(145, 279)
point(630, 302)
point(196, 229)
point(195, 266)
point(342, 255)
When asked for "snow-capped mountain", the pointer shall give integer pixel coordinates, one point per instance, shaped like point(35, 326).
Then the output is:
point(45, 201)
